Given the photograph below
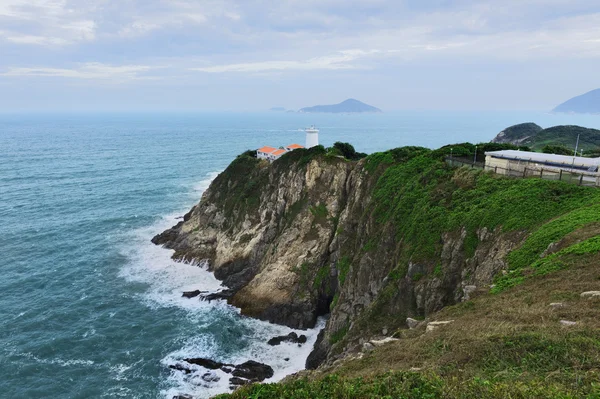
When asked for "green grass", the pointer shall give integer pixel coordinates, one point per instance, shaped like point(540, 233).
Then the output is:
point(343, 267)
point(406, 385)
point(548, 264)
point(339, 334)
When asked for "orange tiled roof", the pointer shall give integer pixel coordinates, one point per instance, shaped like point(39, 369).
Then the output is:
point(279, 152)
point(267, 149)
point(294, 146)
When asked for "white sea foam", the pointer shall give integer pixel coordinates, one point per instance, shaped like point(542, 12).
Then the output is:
point(167, 279)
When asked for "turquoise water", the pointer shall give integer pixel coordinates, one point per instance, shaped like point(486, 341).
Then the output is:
point(89, 307)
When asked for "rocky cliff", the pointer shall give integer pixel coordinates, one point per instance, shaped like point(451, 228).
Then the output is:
point(395, 235)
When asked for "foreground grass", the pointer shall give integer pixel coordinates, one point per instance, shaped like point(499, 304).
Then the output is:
point(507, 345)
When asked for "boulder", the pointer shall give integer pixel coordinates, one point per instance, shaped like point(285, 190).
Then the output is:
point(557, 305)
point(238, 382)
point(207, 363)
point(382, 341)
point(180, 367)
point(568, 323)
point(291, 337)
point(433, 325)
point(192, 294)
point(210, 377)
point(252, 370)
point(183, 396)
point(468, 290)
point(367, 347)
point(412, 323)
point(224, 295)
point(590, 294)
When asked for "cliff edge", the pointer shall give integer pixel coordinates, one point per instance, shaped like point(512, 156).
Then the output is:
point(396, 235)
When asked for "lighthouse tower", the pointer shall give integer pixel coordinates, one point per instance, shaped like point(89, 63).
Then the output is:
point(312, 137)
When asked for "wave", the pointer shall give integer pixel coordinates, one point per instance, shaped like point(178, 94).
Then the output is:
point(220, 332)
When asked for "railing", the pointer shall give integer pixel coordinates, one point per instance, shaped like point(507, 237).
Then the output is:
point(524, 170)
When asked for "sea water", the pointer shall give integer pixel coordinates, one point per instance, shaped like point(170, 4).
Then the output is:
point(89, 308)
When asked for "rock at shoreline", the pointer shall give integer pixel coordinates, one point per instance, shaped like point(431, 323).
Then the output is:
point(224, 295)
point(192, 294)
point(291, 337)
point(245, 373)
point(253, 371)
point(207, 363)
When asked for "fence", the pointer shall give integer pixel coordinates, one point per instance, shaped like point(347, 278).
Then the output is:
point(524, 170)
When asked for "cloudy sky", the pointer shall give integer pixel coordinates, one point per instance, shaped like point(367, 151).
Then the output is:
point(136, 55)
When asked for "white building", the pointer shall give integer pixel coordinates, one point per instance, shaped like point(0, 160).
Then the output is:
point(265, 152)
point(272, 153)
point(508, 161)
point(312, 137)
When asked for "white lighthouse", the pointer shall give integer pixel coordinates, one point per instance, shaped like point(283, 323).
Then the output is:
point(312, 137)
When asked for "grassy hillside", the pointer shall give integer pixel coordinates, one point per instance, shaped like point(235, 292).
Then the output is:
point(507, 341)
point(533, 136)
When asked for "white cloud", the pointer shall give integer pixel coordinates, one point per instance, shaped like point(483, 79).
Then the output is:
point(85, 71)
point(341, 60)
point(45, 22)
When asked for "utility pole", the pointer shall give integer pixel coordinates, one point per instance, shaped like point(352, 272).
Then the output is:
point(475, 156)
point(575, 153)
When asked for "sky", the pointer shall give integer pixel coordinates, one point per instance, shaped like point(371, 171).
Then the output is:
point(251, 55)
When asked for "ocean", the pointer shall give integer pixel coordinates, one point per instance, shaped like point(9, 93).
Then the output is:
point(89, 308)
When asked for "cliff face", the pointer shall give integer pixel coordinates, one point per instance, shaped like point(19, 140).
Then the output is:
point(395, 235)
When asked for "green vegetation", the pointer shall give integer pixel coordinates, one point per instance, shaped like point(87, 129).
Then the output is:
point(343, 267)
point(509, 344)
point(402, 385)
point(345, 150)
point(339, 334)
point(321, 276)
point(557, 149)
point(238, 194)
point(319, 211)
point(425, 198)
point(518, 132)
point(552, 140)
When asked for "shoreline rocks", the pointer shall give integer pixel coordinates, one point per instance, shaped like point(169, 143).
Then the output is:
point(244, 373)
point(291, 337)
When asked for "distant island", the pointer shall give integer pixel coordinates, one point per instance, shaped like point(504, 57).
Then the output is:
point(588, 103)
point(349, 106)
point(535, 137)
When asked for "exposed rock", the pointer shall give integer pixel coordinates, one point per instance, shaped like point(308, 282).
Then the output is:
point(210, 377)
point(590, 294)
point(557, 305)
point(183, 396)
point(180, 367)
point(468, 290)
point(433, 325)
point(207, 363)
point(238, 382)
point(367, 347)
point(269, 240)
point(568, 323)
point(291, 337)
point(384, 331)
point(224, 295)
point(191, 294)
point(319, 352)
point(382, 341)
point(412, 323)
point(254, 371)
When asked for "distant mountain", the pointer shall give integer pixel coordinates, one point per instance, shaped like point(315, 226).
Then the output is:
point(533, 136)
point(588, 103)
point(349, 106)
point(517, 133)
